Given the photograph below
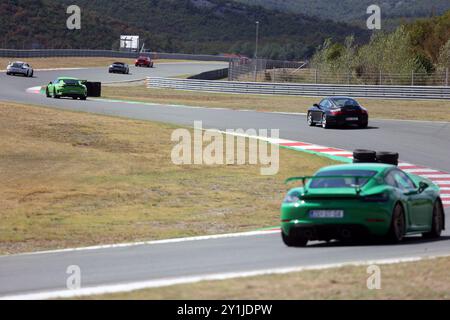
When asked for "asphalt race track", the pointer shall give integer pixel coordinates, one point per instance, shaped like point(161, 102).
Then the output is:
point(421, 143)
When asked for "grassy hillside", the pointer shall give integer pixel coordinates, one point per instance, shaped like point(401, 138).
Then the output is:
point(27, 24)
point(191, 26)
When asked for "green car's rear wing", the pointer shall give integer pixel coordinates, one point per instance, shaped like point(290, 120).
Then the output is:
point(357, 185)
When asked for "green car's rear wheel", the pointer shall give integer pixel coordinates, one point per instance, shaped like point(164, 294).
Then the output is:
point(47, 93)
point(437, 224)
point(398, 225)
point(291, 241)
point(55, 95)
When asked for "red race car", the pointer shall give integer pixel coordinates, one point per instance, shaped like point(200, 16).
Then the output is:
point(144, 61)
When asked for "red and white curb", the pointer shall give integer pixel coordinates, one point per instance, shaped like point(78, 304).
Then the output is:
point(34, 90)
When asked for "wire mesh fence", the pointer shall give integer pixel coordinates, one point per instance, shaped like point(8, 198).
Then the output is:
point(261, 70)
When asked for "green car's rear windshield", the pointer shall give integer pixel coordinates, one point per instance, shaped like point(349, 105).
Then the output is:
point(349, 179)
point(71, 81)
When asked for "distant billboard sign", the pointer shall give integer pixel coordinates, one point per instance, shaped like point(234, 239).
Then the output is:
point(129, 43)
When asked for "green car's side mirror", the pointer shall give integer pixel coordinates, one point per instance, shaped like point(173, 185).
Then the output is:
point(423, 186)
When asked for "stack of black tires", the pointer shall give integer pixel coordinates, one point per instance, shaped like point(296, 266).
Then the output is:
point(370, 156)
point(94, 89)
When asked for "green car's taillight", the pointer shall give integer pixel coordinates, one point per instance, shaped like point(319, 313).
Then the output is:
point(292, 197)
point(379, 197)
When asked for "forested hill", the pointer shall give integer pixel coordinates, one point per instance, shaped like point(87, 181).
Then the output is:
point(355, 10)
point(191, 26)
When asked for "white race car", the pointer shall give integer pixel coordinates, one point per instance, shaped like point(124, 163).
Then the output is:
point(19, 67)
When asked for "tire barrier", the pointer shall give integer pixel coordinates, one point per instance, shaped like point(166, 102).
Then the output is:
point(370, 156)
point(296, 89)
point(365, 156)
point(94, 89)
point(388, 157)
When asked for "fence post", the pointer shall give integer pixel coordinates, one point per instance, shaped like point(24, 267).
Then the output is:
point(446, 77)
point(381, 79)
point(315, 75)
point(412, 78)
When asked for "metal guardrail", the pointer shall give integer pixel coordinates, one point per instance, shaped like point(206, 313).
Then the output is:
point(47, 53)
point(361, 91)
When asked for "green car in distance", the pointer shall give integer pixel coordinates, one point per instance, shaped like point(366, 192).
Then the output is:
point(66, 87)
point(361, 200)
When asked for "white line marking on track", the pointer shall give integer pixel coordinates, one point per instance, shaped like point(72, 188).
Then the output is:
point(128, 287)
point(313, 146)
point(436, 176)
point(339, 153)
point(420, 170)
point(152, 242)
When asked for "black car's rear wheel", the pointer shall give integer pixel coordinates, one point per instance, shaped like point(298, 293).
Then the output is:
point(291, 241)
point(437, 224)
point(325, 125)
point(310, 120)
point(398, 225)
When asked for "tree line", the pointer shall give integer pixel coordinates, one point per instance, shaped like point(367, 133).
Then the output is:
point(421, 47)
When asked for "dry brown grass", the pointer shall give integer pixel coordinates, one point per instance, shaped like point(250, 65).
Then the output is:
point(74, 62)
point(428, 279)
point(75, 179)
point(382, 109)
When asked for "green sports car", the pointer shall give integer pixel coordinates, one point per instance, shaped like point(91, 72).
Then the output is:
point(360, 200)
point(66, 87)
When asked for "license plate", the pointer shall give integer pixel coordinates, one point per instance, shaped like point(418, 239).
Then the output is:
point(326, 213)
point(352, 119)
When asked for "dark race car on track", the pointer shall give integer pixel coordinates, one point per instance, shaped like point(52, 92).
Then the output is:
point(361, 200)
point(144, 61)
point(119, 67)
point(338, 111)
point(19, 67)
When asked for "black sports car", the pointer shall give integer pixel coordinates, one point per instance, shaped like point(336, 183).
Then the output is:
point(338, 111)
point(119, 67)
